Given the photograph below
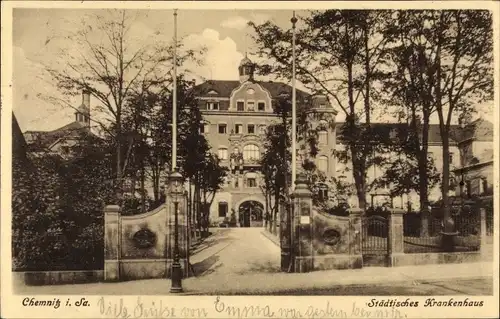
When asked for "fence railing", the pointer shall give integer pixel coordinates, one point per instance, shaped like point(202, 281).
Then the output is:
point(375, 234)
point(467, 227)
point(415, 241)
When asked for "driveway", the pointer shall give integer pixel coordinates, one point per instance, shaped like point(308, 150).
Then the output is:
point(236, 251)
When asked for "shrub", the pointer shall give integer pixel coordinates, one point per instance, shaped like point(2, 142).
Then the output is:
point(57, 212)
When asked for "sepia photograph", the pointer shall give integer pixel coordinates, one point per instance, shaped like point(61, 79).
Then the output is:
point(251, 152)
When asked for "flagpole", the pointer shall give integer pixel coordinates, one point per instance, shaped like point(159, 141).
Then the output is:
point(294, 107)
point(174, 99)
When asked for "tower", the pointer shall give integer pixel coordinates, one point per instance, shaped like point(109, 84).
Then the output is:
point(246, 69)
point(82, 114)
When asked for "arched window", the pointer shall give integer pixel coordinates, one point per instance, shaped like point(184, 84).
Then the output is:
point(323, 164)
point(323, 137)
point(223, 153)
point(251, 152)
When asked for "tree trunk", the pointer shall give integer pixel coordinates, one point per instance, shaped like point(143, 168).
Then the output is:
point(445, 183)
point(119, 188)
point(143, 190)
point(423, 180)
point(359, 180)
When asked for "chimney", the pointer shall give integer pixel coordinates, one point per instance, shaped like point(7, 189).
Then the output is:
point(86, 99)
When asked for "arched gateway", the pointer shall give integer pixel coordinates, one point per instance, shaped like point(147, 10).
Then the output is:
point(251, 213)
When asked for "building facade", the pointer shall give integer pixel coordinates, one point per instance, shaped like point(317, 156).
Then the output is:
point(236, 115)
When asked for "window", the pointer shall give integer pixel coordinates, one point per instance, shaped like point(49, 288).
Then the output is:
point(222, 128)
point(238, 128)
point(261, 106)
point(236, 184)
point(223, 153)
point(212, 105)
point(323, 164)
point(250, 106)
point(468, 189)
point(323, 137)
point(222, 209)
point(251, 152)
point(251, 129)
point(240, 106)
point(204, 128)
point(484, 186)
point(251, 182)
point(322, 192)
point(451, 158)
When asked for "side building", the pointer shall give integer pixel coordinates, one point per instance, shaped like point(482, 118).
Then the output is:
point(58, 141)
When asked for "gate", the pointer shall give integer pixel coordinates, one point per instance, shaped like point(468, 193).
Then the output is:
point(375, 240)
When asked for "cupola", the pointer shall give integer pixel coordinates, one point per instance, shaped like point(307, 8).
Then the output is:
point(246, 69)
point(82, 114)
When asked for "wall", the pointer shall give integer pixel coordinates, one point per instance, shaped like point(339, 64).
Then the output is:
point(129, 256)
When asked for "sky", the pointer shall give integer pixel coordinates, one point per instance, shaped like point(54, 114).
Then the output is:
point(38, 35)
point(37, 39)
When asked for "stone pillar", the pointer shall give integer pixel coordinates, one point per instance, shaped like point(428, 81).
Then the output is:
point(302, 222)
point(356, 237)
point(484, 235)
point(395, 243)
point(112, 242)
point(285, 237)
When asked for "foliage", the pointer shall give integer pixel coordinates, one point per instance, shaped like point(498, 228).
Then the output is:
point(344, 43)
point(114, 67)
point(57, 209)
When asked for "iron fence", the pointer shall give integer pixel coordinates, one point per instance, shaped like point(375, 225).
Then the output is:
point(417, 240)
point(375, 231)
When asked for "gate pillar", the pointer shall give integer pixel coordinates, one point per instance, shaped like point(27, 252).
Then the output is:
point(112, 243)
point(285, 229)
point(355, 234)
point(396, 237)
point(302, 225)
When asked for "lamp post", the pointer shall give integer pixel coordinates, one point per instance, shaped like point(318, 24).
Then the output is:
point(175, 179)
point(176, 191)
point(294, 106)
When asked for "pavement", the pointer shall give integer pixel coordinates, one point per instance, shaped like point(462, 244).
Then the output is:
point(241, 261)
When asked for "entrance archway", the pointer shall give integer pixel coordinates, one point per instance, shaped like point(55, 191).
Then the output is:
point(251, 214)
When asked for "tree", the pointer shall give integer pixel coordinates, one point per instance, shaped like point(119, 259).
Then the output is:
point(339, 52)
point(211, 178)
point(57, 208)
point(464, 77)
point(112, 68)
point(444, 66)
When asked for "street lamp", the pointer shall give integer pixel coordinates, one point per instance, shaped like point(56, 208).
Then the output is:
point(176, 191)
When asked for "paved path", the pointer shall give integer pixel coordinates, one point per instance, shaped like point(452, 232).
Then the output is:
point(236, 251)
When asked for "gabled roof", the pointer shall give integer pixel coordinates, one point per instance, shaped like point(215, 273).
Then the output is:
point(225, 87)
point(42, 140)
point(434, 132)
point(480, 129)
